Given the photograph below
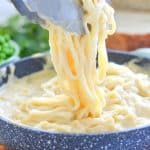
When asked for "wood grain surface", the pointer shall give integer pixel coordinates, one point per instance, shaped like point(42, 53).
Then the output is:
point(128, 42)
point(2, 147)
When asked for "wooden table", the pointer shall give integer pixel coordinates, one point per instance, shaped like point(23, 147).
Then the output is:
point(2, 147)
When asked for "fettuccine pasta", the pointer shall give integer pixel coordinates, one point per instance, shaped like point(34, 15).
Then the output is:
point(74, 57)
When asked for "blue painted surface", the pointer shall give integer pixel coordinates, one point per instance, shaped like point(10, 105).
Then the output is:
point(24, 138)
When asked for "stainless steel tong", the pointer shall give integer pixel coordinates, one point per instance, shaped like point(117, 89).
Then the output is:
point(65, 13)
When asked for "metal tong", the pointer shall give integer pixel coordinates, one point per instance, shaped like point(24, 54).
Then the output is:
point(65, 13)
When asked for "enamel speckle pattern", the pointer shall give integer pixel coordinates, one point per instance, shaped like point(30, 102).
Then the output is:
point(18, 138)
point(22, 138)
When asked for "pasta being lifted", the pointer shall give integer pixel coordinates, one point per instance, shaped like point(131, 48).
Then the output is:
point(74, 57)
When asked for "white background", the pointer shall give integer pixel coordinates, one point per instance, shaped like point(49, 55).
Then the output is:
point(6, 10)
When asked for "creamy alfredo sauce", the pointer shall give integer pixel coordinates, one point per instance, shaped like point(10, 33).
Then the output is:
point(29, 101)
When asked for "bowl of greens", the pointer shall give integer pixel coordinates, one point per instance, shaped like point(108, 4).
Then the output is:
point(9, 50)
point(30, 37)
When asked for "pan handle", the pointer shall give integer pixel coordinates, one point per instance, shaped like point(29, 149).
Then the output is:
point(142, 52)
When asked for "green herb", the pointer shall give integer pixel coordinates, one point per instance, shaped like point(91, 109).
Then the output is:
point(6, 48)
point(31, 38)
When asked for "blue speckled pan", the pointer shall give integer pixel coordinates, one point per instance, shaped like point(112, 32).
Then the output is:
point(24, 138)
